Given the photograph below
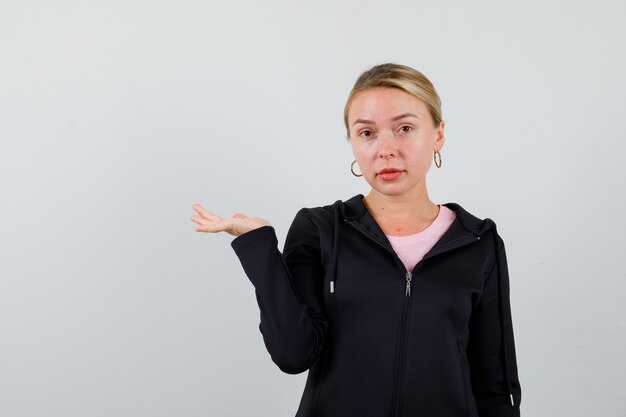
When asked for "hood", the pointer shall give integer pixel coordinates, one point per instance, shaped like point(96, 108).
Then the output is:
point(353, 210)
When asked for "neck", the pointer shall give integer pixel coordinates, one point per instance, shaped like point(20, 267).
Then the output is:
point(414, 205)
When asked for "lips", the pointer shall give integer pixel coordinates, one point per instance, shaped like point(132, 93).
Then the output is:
point(388, 170)
point(389, 174)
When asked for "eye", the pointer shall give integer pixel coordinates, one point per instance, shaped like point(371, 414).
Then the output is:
point(406, 128)
point(366, 133)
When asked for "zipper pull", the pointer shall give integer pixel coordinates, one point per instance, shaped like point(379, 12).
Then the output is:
point(408, 276)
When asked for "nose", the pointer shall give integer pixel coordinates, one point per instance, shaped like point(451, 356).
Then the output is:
point(386, 146)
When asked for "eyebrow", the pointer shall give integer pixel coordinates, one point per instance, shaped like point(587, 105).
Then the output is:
point(393, 119)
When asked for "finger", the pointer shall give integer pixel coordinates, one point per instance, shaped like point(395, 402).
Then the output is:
point(211, 226)
point(205, 213)
point(240, 216)
point(198, 219)
point(206, 222)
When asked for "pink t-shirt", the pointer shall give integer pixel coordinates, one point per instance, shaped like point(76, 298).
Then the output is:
point(411, 249)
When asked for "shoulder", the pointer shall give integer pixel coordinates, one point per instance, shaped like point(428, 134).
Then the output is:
point(470, 221)
point(332, 212)
point(485, 228)
point(314, 225)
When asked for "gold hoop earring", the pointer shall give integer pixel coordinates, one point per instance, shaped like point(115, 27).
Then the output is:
point(437, 155)
point(352, 170)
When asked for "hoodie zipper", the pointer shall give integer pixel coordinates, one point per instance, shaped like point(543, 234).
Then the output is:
point(401, 355)
point(408, 277)
point(396, 409)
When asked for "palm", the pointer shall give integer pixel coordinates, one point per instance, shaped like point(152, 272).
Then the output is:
point(236, 225)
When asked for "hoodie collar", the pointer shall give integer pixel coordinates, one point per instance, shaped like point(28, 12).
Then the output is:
point(353, 209)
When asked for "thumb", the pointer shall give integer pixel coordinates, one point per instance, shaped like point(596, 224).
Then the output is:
point(239, 216)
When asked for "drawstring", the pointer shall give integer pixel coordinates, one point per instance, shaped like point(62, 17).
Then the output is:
point(333, 275)
point(503, 297)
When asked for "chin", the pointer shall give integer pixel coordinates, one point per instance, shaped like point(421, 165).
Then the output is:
point(391, 189)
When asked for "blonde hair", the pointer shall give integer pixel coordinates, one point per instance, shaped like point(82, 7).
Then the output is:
point(397, 76)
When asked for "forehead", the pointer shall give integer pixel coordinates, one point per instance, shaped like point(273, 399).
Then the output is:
point(383, 103)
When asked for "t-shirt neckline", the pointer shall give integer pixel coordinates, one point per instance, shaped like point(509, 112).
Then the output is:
point(424, 232)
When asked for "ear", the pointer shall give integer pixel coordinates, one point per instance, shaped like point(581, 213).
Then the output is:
point(440, 138)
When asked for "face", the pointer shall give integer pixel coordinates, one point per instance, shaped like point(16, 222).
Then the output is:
point(393, 138)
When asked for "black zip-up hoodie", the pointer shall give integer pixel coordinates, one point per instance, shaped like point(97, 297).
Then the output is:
point(379, 340)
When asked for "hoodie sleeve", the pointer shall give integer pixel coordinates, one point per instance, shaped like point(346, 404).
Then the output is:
point(292, 323)
point(491, 350)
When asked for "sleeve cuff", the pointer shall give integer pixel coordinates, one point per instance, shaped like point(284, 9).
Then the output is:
point(263, 232)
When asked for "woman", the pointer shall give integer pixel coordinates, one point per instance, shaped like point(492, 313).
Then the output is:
point(396, 305)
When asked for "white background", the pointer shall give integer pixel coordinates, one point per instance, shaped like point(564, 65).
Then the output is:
point(117, 116)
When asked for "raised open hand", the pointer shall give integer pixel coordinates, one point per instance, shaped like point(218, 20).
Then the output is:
point(236, 225)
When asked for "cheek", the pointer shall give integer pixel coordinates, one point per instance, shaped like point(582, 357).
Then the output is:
point(365, 149)
point(364, 158)
point(361, 151)
point(422, 157)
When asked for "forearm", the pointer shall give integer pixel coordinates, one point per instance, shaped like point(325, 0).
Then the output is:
point(491, 352)
point(292, 331)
